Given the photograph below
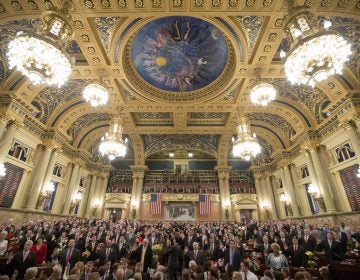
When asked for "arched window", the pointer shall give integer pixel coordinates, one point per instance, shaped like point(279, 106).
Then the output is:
point(19, 151)
point(344, 152)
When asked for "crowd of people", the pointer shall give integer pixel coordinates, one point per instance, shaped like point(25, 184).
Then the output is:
point(90, 249)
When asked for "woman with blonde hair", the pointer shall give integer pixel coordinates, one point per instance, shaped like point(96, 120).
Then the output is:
point(276, 260)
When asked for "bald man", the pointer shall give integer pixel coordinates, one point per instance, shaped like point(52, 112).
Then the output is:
point(144, 255)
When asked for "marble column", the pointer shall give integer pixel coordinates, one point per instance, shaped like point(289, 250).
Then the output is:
point(258, 195)
point(84, 201)
point(102, 194)
point(50, 170)
point(136, 194)
point(6, 142)
point(73, 185)
point(343, 198)
point(63, 195)
point(279, 206)
point(354, 140)
point(271, 197)
point(323, 184)
point(224, 192)
point(91, 197)
point(22, 192)
point(40, 171)
point(3, 123)
point(291, 191)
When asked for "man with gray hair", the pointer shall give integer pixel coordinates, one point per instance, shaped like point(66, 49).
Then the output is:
point(23, 260)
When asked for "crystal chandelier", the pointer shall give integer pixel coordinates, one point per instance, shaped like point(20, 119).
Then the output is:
point(262, 94)
point(315, 52)
point(245, 146)
point(112, 144)
point(358, 172)
point(96, 94)
point(2, 169)
point(41, 56)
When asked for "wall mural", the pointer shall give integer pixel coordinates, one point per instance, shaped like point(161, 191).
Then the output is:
point(179, 54)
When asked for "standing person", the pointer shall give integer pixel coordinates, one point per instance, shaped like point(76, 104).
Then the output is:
point(144, 255)
point(296, 253)
point(23, 259)
point(232, 256)
point(276, 260)
point(107, 254)
point(40, 249)
point(197, 255)
point(245, 272)
point(3, 243)
point(70, 255)
point(173, 252)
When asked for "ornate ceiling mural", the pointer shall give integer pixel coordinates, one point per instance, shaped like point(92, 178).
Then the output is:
point(172, 58)
point(178, 53)
point(105, 27)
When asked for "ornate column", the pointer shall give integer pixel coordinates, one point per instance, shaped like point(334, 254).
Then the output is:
point(303, 201)
point(271, 197)
point(136, 193)
point(259, 197)
point(7, 140)
point(85, 200)
point(3, 123)
point(90, 209)
point(40, 171)
point(354, 138)
point(224, 192)
point(105, 179)
point(73, 185)
point(291, 191)
point(50, 169)
point(323, 184)
point(276, 189)
point(22, 192)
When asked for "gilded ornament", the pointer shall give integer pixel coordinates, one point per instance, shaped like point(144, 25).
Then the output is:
point(250, 3)
point(233, 3)
point(105, 4)
point(122, 3)
point(178, 3)
point(267, 48)
point(89, 4)
point(2, 9)
point(91, 50)
point(262, 58)
point(139, 4)
point(78, 24)
point(32, 5)
point(156, 3)
point(216, 3)
point(272, 36)
point(16, 5)
point(267, 3)
point(85, 38)
point(325, 3)
point(279, 22)
point(343, 3)
point(199, 3)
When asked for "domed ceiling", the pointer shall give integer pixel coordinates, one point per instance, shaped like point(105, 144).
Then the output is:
point(180, 72)
point(179, 54)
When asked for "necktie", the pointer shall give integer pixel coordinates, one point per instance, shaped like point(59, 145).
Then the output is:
point(330, 243)
point(231, 256)
point(107, 253)
point(68, 256)
point(195, 255)
point(245, 278)
point(93, 246)
point(306, 238)
point(295, 250)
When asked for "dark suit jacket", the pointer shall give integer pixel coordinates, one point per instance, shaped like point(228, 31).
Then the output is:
point(213, 254)
point(310, 244)
point(93, 255)
point(298, 257)
point(18, 263)
point(237, 258)
point(102, 256)
point(334, 253)
point(199, 259)
point(174, 257)
point(148, 258)
point(75, 257)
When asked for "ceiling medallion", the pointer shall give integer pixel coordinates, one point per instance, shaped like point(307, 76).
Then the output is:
point(173, 58)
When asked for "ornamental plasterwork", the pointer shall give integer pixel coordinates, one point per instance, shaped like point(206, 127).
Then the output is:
point(105, 27)
point(157, 143)
point(86, 120)
point(243, 198)
point(251, 26)
point(274, 120)
point(115, 197)
point(153, 118)
point(308, 96)
point(51, 98)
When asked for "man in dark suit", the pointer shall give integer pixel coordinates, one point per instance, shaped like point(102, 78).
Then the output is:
point(23, 259)
point(212, 249)
point(174, 259)
point(87, 271)
point(233, 256)
point(107, 253)
point(296, 253)
point(308, 241)
point(332, 248)
point(70, 255)
point(144, 255)
point(153, 239)
point(91, 247)
point(197, 255)
point(122, 248)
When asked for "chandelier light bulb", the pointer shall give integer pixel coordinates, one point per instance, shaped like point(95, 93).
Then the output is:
point(358, 173)
point(263, 94)
point(112, 144)
point(282, 54)
point(96, 94)
point(327, 24)
point(2, 169)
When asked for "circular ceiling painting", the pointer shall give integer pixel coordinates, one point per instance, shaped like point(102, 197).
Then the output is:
point(179, 54)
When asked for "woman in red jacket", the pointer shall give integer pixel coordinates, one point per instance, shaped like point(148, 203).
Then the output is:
point(40, 250)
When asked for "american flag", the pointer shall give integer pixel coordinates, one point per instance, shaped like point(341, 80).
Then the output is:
point(205, 204)
point(156, 203)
